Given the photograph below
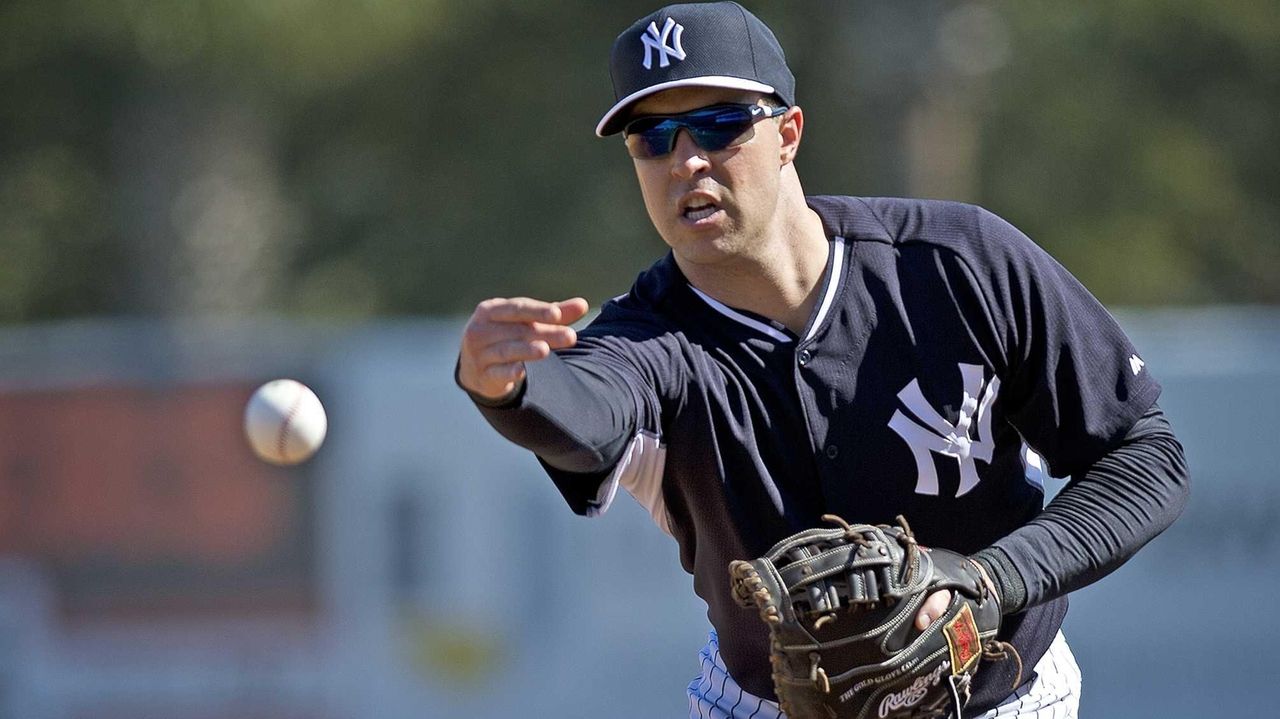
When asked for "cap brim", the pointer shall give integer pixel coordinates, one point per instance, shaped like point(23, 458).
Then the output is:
point(615, 118)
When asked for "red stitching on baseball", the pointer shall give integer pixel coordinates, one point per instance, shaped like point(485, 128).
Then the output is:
point(288, 421)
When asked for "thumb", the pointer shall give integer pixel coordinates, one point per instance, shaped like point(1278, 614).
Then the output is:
point(923, 620)
point(935, 605)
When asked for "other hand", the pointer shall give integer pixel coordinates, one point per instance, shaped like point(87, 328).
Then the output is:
point(505, 333)
point(935, 605)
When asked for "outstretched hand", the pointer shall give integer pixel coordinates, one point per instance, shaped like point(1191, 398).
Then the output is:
point(505, 333)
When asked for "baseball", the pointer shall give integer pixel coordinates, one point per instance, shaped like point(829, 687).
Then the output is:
point(284, 422)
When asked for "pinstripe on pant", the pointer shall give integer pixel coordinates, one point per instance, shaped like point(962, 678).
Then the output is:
point(1055, 693)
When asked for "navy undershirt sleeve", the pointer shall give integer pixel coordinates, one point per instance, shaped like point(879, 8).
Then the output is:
point(1100, 519)
point(579, 409)
point(1081, 396)
point(577, 421)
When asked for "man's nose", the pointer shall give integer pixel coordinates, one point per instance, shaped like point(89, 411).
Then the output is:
point(687, 159)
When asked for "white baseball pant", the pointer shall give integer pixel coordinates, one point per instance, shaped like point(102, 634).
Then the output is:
point(1053, 694)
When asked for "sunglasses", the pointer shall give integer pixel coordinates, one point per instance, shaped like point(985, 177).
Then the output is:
point(712, 128)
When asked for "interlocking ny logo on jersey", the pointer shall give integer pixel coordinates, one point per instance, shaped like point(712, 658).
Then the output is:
point(655, 41)
point(927, 432)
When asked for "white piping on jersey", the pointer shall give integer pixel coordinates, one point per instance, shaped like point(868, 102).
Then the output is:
point(640, 473)
point(740, 318)
point(1033, 466)
point(833, 285)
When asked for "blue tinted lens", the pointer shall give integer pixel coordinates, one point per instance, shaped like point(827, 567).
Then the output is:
point(712, 128)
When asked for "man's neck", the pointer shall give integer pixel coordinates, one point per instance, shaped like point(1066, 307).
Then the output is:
point(782, 280)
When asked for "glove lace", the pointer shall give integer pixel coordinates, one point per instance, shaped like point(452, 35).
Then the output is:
point(996, 650)
point(817, 674)
point(907, 539)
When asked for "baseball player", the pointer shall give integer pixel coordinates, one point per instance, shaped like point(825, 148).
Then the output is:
point(792, 356)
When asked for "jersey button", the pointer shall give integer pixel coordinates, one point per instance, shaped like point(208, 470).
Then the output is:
point(832, 451)
point(804, 357)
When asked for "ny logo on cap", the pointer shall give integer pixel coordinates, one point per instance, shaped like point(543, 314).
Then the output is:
point(654, 40)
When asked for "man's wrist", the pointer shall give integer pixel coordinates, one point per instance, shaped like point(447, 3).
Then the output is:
point(1010, 590)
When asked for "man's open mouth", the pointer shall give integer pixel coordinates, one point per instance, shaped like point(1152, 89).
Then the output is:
point(700, 210)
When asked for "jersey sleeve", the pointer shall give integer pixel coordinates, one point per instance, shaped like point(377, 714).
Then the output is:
point(1073, 383)
point(591, 413)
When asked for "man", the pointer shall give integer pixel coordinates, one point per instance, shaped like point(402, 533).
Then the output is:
point(795, 356)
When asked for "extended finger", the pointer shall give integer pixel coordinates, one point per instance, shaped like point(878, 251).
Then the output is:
point(514, 351)
point(481, 335)
point(556, 336)
point(572, 310)
point(520, 309)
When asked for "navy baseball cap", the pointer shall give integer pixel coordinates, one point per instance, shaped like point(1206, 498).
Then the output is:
point(717, 44)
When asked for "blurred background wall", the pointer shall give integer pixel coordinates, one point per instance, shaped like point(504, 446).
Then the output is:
point(199, 196)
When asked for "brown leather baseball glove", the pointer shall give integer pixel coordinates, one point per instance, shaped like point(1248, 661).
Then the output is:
point(840, 604)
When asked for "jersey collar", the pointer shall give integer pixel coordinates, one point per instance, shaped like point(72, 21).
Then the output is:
point(833, 275)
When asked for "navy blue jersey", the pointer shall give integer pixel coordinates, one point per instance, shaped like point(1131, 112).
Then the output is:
point(947, 355)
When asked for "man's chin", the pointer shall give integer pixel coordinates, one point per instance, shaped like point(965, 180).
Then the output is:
point(704, 249)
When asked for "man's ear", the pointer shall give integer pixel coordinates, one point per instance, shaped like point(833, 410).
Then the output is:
point(790, 130)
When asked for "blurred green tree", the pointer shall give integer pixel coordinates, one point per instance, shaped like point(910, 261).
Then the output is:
point(1138, 142)
point(336, 158)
